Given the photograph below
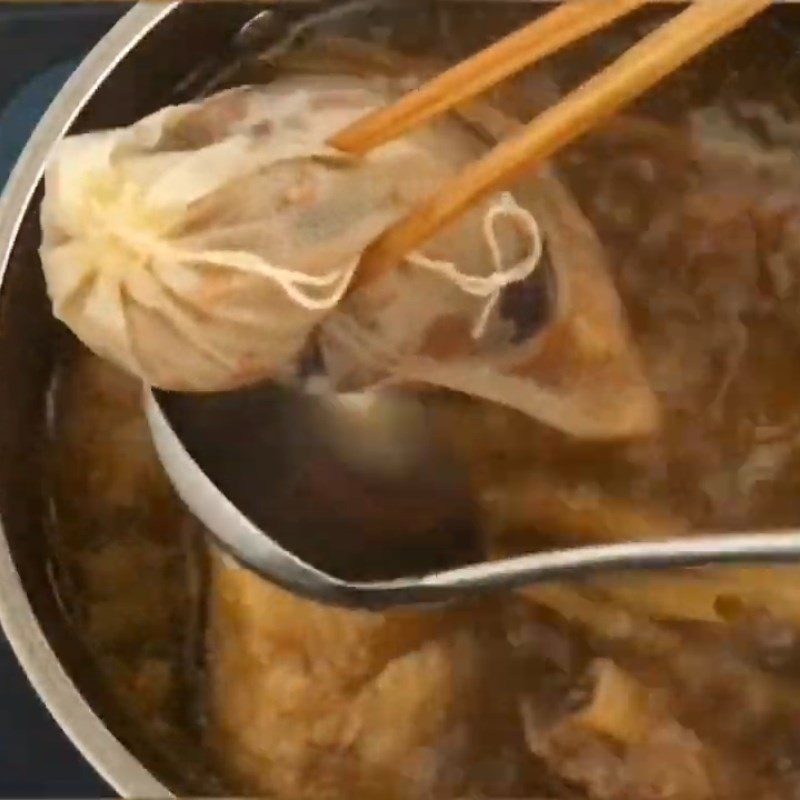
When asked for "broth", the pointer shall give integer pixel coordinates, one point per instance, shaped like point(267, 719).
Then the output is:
point(683, 686)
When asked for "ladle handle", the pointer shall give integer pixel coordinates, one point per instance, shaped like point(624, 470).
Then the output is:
point(748, 549)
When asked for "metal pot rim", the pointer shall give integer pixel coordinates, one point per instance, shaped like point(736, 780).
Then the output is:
point(113, 761)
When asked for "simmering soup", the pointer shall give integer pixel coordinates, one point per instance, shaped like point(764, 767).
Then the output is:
point(679, 686)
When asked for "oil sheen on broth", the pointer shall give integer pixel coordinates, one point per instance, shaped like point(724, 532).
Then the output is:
point(683, 686)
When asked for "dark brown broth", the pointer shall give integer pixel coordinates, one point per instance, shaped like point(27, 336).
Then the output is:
point(704, 246)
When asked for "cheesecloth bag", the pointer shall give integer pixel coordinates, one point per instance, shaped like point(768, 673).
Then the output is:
point(199, 247)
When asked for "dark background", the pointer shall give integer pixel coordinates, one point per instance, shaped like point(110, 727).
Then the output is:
point(40, 44)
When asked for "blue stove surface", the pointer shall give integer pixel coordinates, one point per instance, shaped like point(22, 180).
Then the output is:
point(40, 45)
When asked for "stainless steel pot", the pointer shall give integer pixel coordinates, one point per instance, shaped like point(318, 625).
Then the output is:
point(133, 70)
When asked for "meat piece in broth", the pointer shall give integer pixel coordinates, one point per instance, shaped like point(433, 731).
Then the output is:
point(312, 702)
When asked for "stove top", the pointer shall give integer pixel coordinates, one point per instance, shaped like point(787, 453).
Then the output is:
point(40, 45)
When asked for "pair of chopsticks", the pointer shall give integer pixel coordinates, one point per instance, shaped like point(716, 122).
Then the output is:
point(653, 58)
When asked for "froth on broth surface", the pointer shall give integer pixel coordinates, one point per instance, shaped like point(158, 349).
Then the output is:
point(661, 687)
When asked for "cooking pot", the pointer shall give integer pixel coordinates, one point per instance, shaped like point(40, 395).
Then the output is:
point(138, 67)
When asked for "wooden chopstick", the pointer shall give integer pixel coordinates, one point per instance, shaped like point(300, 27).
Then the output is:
point(567, 23)
point(645, 64)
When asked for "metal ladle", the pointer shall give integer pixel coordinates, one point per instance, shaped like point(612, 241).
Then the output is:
point(361, 505)
point(358, 504)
